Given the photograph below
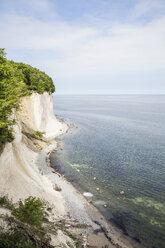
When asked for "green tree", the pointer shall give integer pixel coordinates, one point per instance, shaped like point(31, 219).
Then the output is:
point(30, 211)
point(17, 80)
point(36, 80)
point(12, 87)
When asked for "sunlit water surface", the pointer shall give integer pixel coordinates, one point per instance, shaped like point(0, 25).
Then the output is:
point(120, 140)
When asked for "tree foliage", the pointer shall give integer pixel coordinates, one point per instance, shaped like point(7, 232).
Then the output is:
point(26, 225)
point(17, 80)
point(35, 79)
point(30, 211)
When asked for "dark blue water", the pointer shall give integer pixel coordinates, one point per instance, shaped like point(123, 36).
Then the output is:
point(120, 140)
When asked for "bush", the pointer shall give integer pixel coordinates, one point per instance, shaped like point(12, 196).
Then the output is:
point(5, 202)
point(31, 211)
point(37, 135)
point(24, 226)
point(14, 240)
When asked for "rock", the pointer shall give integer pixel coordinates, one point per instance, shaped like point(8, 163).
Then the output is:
point(88, 194)
point(67, 225)
point(122, 192)
point(57, 188)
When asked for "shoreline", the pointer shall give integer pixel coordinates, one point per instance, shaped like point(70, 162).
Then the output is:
point(99, 231)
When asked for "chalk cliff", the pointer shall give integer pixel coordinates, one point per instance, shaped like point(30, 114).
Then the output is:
point(19, 174)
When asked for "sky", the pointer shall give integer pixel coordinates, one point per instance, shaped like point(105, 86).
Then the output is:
point(89, 46)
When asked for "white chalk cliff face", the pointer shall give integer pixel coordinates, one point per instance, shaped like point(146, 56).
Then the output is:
point(19, 174)
point(38, 112)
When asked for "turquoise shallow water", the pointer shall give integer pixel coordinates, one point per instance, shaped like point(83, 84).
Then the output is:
point(120, 140)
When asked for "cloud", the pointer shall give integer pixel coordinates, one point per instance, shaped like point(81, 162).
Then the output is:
point(145, 8)
point(72, 50)
point(123, 48)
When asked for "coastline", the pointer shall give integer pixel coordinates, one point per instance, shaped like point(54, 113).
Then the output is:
point(26, 171)
point(96, 229)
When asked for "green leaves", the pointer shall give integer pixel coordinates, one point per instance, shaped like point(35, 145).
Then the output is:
point(25, 225)
point(37, 135)
point(11, 88)
point(17, 80)
point(2, 54)
point(31, 211)
point(35, 79)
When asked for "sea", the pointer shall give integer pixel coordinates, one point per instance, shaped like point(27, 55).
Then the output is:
point(116, 152)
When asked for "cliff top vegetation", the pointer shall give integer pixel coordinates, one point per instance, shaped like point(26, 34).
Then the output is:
point(17, 80)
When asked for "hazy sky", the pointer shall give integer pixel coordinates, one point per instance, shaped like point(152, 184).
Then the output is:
point(89, 46)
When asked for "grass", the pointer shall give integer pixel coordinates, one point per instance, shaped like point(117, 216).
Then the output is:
point(35, 135)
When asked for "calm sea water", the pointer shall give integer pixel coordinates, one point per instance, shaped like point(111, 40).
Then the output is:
point(120, 140)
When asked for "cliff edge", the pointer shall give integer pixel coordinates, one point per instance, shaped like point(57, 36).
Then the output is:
point(19, 174)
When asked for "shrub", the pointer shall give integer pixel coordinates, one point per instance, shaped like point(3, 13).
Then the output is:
point(24, 227)
point(31, 211)
point(15, 240)
point(5, 202)
point(37, 135)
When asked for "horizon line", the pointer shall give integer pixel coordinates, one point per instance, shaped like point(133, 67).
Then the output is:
point(112, 94)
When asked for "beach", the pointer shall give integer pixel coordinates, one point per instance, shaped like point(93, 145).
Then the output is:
point(90, 223)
